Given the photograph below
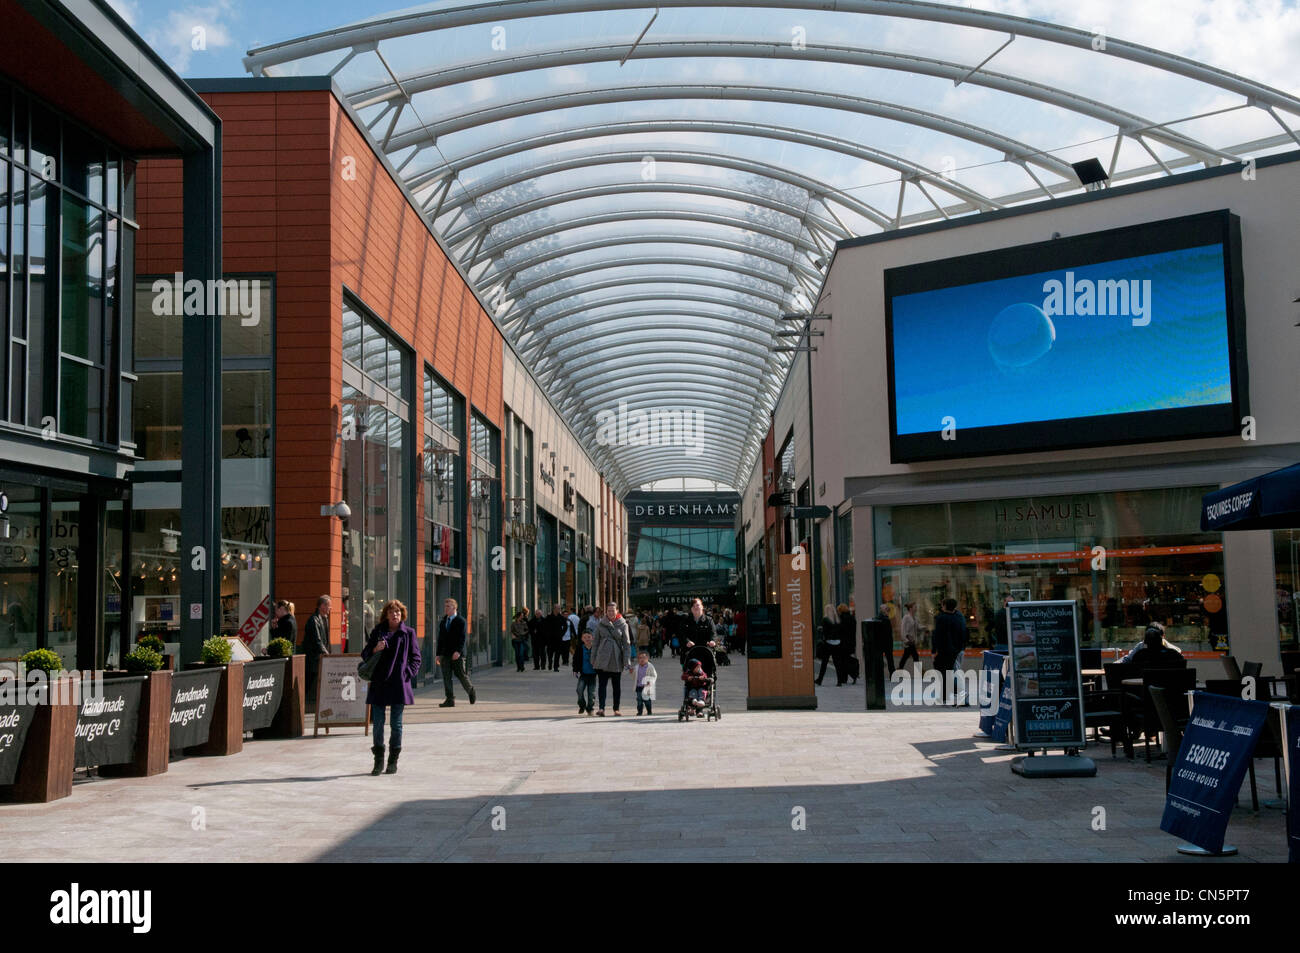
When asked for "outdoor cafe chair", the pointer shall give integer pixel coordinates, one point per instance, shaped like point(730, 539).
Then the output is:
point(1231, 669)
point(1170, 723)
point(1173, 679)
point(1108, 709)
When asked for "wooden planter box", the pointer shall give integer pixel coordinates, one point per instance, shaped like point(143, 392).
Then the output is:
point(227, 734)
point(153, 735)
point(290, 719)
point(49, 756)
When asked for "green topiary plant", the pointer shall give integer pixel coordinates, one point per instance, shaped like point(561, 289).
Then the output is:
point(43, 659)
point(279, 648)
point(143, 659)
point(152, 642)
point(216, 651)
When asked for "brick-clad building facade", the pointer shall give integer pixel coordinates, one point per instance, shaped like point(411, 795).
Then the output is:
point(309, 204)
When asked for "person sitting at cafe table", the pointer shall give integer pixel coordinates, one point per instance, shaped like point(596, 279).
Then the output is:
point(1154, 651)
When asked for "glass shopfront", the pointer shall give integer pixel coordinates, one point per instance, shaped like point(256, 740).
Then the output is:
point(443, 464)
point(247, 453)
point(375, 411)
point(1128, 558)
point(584, 580)
point(547, 585)
point(485, 511)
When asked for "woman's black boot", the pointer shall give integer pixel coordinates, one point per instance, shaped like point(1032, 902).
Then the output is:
point(378, 752)
point(393, 755)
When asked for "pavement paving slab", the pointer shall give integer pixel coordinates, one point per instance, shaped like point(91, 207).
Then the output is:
point(521, 777)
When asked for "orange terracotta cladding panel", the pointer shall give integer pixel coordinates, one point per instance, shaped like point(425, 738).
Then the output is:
point(306, 199)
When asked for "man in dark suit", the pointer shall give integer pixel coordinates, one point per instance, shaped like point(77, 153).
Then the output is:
point(949, 641)
point(316, 642)
point(451, 652)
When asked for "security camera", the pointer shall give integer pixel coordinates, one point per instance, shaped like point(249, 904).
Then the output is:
point(339, 510)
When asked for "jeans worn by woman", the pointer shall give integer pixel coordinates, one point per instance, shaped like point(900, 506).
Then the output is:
point(377, 717)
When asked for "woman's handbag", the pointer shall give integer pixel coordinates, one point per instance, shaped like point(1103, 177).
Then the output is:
point(366, 670)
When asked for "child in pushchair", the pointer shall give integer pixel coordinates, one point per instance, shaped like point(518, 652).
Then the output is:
point(699, 682)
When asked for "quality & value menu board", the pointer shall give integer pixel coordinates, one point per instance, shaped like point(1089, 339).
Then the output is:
point(1046, 689)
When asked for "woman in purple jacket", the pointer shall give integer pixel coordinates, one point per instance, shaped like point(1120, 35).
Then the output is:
point(390, 686)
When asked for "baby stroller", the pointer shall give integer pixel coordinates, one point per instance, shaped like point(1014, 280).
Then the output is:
point(710, 710)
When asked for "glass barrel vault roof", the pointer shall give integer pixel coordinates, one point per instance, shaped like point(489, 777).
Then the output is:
point(638, 192)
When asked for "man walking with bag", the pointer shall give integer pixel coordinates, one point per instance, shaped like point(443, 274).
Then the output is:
point(451, 653)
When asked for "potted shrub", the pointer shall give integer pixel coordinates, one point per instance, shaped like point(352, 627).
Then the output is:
point(152, 642)
point(216, 651)
point(279, 648)
point(43, 660)
point(143, 660)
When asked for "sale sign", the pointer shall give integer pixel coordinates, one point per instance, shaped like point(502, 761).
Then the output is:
point(253, 624)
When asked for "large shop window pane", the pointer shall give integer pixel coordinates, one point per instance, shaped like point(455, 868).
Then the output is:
point(158, 409)
point(1159, 566)
point(351, 335)
point(156, 564)
point(246, 328)
point(80, 404)
point(158, 329)
point(245, 567)
point(63, 575)
point(20, 560)
point(245, 414)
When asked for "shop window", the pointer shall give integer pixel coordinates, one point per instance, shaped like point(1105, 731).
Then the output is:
point(1158, 565)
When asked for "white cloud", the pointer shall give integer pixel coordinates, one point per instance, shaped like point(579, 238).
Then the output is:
point(191, 31)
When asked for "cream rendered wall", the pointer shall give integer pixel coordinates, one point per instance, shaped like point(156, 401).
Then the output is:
point(526, 400)
point(850, 379)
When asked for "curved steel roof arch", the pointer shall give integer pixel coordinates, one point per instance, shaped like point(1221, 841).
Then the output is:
point(521, 265)
point(658, 278)
point(595, 330)
point(870, 58)
point(548, 229)
point(372, 31)
point(794, 192)
point(499, 216)
point(858, 105)
point(756, 345)
point(791, 134)
point(672, 156)
point(549, 278)
point(761, 341)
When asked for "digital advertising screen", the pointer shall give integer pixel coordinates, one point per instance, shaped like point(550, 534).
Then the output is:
point(1129, 335)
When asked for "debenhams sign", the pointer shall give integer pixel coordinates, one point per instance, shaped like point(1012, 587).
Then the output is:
point(685, 513)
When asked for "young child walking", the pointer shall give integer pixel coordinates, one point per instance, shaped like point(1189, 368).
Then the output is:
point(645, 682)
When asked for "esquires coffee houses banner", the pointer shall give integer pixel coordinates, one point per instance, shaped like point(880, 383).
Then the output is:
point(107, 722)
point(14, 722)
point(263, 690)
point(194, 696)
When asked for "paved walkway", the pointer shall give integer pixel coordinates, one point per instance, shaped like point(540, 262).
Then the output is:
point(519, 777)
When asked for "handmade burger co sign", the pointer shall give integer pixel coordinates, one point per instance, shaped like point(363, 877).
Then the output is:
point(14, 722)
point(194, 696)
point(107, 723)
point(263, 689)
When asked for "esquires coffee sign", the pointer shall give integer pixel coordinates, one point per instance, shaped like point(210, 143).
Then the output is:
point(263, 689)
point(194, 696)
point(107, 722)
point(14, 722)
